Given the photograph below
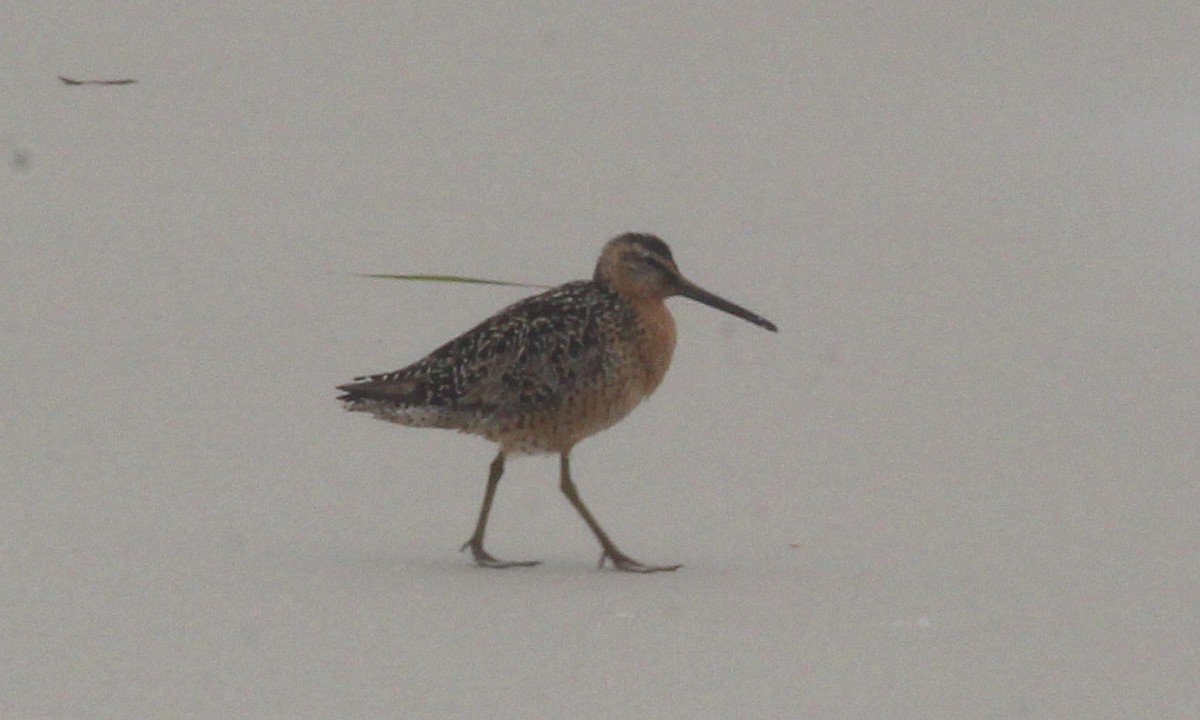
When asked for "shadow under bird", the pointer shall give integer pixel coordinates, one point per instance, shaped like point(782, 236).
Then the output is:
point(549, 371)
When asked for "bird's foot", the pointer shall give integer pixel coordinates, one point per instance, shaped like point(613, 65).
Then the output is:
point(621, 561)
point(484, 559)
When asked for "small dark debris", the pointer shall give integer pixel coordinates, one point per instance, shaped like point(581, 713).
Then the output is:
point(19, 160)
point(71, 82)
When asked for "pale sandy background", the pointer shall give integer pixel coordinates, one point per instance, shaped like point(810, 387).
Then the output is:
point(961, 482)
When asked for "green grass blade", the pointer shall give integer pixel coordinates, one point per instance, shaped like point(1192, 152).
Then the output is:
point(448, 278)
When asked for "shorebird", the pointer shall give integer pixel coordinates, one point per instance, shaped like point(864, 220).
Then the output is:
point(549, 371)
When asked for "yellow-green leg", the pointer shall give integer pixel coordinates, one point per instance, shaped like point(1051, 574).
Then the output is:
point(610, 552)
point(482, 558)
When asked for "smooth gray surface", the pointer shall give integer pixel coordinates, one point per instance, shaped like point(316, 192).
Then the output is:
point(961, 482)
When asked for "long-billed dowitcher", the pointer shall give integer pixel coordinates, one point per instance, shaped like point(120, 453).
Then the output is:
point(549, 371)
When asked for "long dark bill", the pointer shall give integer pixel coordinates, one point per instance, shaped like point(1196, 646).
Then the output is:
point(690, 290)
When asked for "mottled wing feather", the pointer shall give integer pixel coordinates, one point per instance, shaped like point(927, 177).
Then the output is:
point(527, 357)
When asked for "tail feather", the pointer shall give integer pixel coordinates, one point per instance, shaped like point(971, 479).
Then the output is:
point(380, 387)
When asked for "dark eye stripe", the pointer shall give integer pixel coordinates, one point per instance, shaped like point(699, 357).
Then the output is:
point(658, 265)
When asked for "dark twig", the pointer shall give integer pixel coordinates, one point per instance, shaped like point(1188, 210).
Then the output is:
point(69, 81)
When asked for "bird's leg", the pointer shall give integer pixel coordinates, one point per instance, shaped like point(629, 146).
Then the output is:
point(482, 558)
point(619, 560)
